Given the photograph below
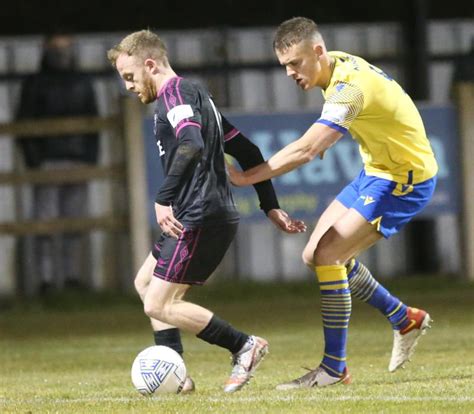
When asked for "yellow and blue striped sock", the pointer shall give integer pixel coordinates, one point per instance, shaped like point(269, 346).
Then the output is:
point(336, 308)
point(364, 287)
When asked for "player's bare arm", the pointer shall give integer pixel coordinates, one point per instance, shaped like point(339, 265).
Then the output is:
point(316, 140)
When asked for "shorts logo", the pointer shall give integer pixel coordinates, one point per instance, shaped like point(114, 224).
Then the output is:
point(368, 200)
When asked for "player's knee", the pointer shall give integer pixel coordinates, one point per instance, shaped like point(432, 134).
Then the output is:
point(327, 254)
point(156, 310)
point(308, 257)
point(141, 285)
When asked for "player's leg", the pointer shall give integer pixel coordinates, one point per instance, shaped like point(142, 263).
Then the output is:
point(347, 237)
point(163, 333)
point(390, 206)
point(142, 282)
point(364, 287)
point(190, 260)
point(361, 282)
point(333, 212)
point(160, 304)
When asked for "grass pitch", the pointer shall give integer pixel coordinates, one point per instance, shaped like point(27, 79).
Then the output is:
point(73, 353)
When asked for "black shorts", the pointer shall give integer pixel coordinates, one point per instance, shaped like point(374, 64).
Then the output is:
point(193, 257)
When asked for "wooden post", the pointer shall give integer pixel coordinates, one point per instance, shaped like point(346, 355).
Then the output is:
point(465, 104)
point(135, 158)
point(108, 223)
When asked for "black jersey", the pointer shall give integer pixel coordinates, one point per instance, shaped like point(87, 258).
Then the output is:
point(190, 139)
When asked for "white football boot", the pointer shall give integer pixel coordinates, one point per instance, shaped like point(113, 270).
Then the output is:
point(246, 362)
point(406, 339)
point(318, 377)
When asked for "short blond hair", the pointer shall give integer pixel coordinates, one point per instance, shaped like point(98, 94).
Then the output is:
point(294, 31)
point(143, 44)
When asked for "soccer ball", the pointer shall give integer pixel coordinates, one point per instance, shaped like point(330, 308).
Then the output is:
point(158, 369)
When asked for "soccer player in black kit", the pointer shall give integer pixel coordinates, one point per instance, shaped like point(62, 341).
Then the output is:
point(194, 205)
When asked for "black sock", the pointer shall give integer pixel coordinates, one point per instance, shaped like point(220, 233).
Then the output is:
point(221, 333)
point(170, 338)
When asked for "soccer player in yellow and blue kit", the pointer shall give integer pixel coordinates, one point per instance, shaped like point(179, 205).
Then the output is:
point(397, 181)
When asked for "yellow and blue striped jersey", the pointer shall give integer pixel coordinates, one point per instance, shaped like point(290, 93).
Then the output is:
point(381, 117)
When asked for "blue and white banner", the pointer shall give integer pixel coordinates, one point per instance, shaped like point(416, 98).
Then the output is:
point(305, 192)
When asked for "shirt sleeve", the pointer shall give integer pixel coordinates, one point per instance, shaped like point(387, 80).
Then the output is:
point(248, 155)
point(230, 132)
point(342, 107)
point(182, 105)
point(188, 154)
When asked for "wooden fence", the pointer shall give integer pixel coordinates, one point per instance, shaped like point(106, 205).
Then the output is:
point(126, 130)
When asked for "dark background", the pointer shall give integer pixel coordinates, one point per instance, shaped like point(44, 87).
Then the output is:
point(42, 17)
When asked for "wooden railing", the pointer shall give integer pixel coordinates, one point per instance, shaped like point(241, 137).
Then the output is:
point(126, 128)
point(57, 127)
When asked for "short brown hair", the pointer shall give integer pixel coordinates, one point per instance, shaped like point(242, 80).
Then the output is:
point(293, 31)
point(144, 44)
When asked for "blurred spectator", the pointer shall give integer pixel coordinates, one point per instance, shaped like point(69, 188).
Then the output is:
point(57, 90)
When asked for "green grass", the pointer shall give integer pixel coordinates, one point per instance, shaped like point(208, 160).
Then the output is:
point(73, 353)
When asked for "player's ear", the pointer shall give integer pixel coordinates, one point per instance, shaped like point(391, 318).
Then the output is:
point(318, 49)
point(151, 66)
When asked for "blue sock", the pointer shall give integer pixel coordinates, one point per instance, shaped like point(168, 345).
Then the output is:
point(363, 286)
point(336, 308)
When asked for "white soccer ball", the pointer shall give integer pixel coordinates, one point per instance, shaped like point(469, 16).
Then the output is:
point(158, 369)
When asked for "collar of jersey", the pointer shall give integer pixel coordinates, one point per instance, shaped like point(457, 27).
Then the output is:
point(162, 89)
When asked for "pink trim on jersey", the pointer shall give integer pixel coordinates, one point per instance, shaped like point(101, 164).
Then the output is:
point(177, 90)
point(162, 89)
point(231, 134)
point(168, 93)
point(185, 123)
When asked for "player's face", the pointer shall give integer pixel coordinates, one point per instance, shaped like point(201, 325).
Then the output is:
point(137, 77)
point(302, 63)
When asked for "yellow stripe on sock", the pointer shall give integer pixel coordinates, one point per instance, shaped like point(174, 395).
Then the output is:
point(332, 273)
point(333, 357)
point(335, 287)
point(325, 300)
point(401, 321)
point(335, 326)
point(395, 311)
point(338, 374)
point(338, 295)
point(329, 313)
point(338, 306)
point(350, 265)
point(346, 321)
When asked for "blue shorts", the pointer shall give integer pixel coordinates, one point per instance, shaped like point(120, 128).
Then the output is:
point(384, 203)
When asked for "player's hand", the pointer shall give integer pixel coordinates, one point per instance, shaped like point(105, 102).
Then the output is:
point(236, 177)
point(283, 221)
point(167, 222)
